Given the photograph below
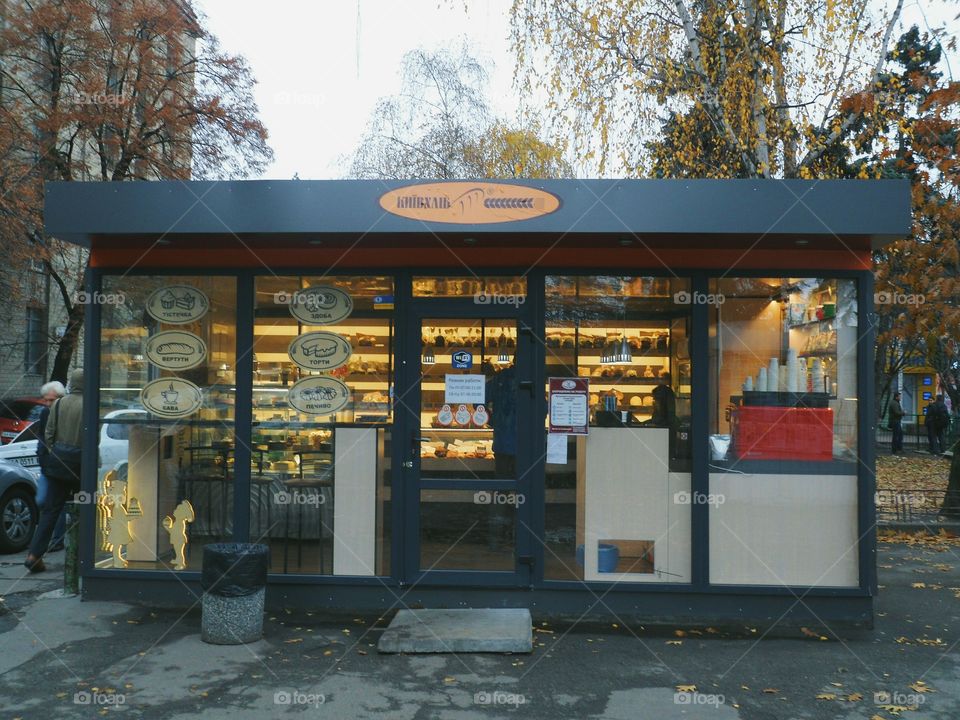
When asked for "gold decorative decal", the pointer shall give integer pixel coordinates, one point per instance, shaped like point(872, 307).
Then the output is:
point(171, 397)
point(320, 305)
point(176, 350)
point(319, 395)
point(467, 203)
point(320, 351)
point(177, 304)
point(176, 527)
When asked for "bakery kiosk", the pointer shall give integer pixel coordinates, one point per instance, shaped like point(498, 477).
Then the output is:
point(490, 394)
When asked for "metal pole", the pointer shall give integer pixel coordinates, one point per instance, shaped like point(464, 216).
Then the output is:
point(71, 562)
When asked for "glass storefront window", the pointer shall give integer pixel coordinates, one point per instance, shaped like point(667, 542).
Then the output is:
point(166, 434)
point(484, 290)
point(473, 440)
point(322, 405)
point(783, 431)
point(616, 508)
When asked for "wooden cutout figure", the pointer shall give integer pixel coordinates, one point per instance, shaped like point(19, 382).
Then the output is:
point(176, 526)
point(119, 511)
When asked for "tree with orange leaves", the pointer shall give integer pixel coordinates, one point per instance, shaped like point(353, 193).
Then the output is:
point(111, 91)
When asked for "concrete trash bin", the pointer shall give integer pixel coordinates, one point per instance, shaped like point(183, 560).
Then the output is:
point(234, 582)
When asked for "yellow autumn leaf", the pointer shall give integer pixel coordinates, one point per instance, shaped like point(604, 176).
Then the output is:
point(686, 688)
point(827, 696)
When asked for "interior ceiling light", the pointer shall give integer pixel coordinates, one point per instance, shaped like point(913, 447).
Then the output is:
point(428, 357)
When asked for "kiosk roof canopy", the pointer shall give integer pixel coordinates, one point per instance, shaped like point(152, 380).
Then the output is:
point(859, 214)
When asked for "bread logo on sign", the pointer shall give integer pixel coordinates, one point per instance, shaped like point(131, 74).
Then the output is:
point(176, 350)
point(468, 203)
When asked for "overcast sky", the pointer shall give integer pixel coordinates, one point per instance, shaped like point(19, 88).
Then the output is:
point(322, 64)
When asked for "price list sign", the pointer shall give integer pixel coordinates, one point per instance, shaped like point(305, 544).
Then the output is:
point(569, 405)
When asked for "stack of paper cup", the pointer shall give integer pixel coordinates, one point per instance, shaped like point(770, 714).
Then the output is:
point(762, 380)
point(748, 383)
point(802, 376)
point(817, 373)
point(773, 375)
point(792, 371)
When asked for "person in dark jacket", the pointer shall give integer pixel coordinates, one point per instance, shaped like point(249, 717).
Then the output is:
point(49, 393)
point(895, 423)
point(937, 421)
point(64, 425)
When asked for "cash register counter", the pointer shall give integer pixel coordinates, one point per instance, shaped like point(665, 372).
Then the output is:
point(627, 496)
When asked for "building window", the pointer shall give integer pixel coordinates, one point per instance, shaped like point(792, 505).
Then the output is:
point(617, 500)
point(35, 342)
point(783, 449)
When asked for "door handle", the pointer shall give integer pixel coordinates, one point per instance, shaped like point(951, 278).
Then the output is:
point(408, 464)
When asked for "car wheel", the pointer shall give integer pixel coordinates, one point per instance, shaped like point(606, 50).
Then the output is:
point(18, 520)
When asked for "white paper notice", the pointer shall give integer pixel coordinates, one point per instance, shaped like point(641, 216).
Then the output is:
point(557, 449)
point(465, 389)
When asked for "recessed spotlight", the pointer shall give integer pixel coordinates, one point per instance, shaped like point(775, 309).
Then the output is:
point(315, 242)
point(469, 241)
point(802, 242)
point(163, 241)
point(626, 242)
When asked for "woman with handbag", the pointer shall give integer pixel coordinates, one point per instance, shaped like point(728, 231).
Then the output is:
point(64, 438)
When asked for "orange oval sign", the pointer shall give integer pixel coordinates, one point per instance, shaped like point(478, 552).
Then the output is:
point(467, 203)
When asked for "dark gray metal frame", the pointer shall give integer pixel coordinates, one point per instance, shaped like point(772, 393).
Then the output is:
point(668, 599)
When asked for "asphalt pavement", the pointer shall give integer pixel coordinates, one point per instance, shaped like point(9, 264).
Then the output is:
point(62, 658)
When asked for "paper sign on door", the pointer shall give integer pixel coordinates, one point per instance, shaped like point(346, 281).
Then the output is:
point(469, 389)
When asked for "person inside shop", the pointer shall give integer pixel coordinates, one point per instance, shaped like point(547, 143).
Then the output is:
point(502, 406)
point(664, 404)
point(937, 421)
point(895, 423)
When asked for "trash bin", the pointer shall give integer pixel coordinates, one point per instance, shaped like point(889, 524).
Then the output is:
point(234, 582)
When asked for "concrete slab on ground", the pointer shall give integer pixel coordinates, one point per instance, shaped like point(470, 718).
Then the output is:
point(494, 630)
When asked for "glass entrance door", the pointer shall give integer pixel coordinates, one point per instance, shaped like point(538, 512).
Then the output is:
point(470, 399)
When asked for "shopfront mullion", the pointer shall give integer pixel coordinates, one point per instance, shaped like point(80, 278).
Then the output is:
point(532, 544)
point(866, 429)
point(404, 497)
point(699, 431)
point(91, 411)
point(246, 300)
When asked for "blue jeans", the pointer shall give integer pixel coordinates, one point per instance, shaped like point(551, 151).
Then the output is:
point(43, 498)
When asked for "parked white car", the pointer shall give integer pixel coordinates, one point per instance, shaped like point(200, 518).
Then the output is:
point(114, 442)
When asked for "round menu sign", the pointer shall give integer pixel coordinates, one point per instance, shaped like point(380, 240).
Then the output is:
point(320, 350)
point(171, 397)
point(176, 350)
point(320, 305)
point(177, 304)
point(319, 395)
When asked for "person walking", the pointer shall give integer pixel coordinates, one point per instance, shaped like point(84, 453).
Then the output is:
point(895, 423)
point(936, 422)
point(49, 394)
point(63, 436)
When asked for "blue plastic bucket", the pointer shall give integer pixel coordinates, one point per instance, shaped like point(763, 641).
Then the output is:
point(607, 558)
